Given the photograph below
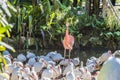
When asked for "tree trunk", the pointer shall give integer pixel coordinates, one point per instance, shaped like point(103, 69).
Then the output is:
point(96, 7)
point(75, 3)
point(87, 6)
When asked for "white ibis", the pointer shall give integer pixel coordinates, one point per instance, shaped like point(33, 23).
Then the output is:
point(44, 62)
point(70, 75)
point(34, 74)
point(92, 60)
point(16, 73)
point(7, 56)
point(91, 67)
point(31, 61)
point(30, 55)
point(56, 57)
point(77, 73)
point(44, 78)
point(111, 68)
point(8, 59)
point(86, 75)
point(6, 52)
point(64, 62)
point(57, 71)
point(18, 64)
point(9, 68)
point(51, 53)
point(68, 68)
point(47, 73)
point(105, 56)
point(21, 57)
point(38, 66)
point(76, 61)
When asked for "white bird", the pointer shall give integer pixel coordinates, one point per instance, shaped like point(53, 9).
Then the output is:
point(31, 61)
point(8, 59)
point(91, 67)
point(81, 64)
point(76, 61)
point(34, 74)
point(52, 63)
point(86, 75)
point(70, 75)
point(56, 57)
point(38, 66)
point(18, 64)
point(26, 72)
point(68, 68)
point(105, 56)
point(92, 60)
point(9, 68)
point(16, 73)
point(64, 62)
point(69, 72)
point(48, 72)
point(29, 73)
point(44, 62)
point(47, 58)
point(45, 78)
point(111, 68)
point(21, 57)
point(6, 52)
point(50, 54)
point(57, 71)
point(30, 55)
point(77, 73)
point(7, 56)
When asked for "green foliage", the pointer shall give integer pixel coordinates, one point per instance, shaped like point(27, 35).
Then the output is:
point(2, 61)
point(5, 28)
point(46, 20)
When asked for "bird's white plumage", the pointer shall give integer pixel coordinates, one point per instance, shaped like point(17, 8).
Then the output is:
point(31, 61)
point(21, 57)
point(110, 70)
point(68, 68)
point(105, 56)
point(38, 66)
point(70, 75)
point(30, 55)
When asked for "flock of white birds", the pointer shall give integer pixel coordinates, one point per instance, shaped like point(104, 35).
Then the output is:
point(52, 66)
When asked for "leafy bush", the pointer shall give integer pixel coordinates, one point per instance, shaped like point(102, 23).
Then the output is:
point(5, 27)
point(45, 20)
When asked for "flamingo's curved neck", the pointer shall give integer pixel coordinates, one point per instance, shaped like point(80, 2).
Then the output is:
point(67, 31)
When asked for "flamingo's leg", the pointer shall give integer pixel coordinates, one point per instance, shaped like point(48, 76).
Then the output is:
point(64, 53)
point(69, 53)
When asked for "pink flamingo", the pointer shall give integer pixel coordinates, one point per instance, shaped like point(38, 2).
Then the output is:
point(68, 41)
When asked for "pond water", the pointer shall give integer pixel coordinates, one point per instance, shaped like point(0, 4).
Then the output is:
point(83, 53)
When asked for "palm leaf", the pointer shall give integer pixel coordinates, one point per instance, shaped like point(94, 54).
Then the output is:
point(7, 46)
